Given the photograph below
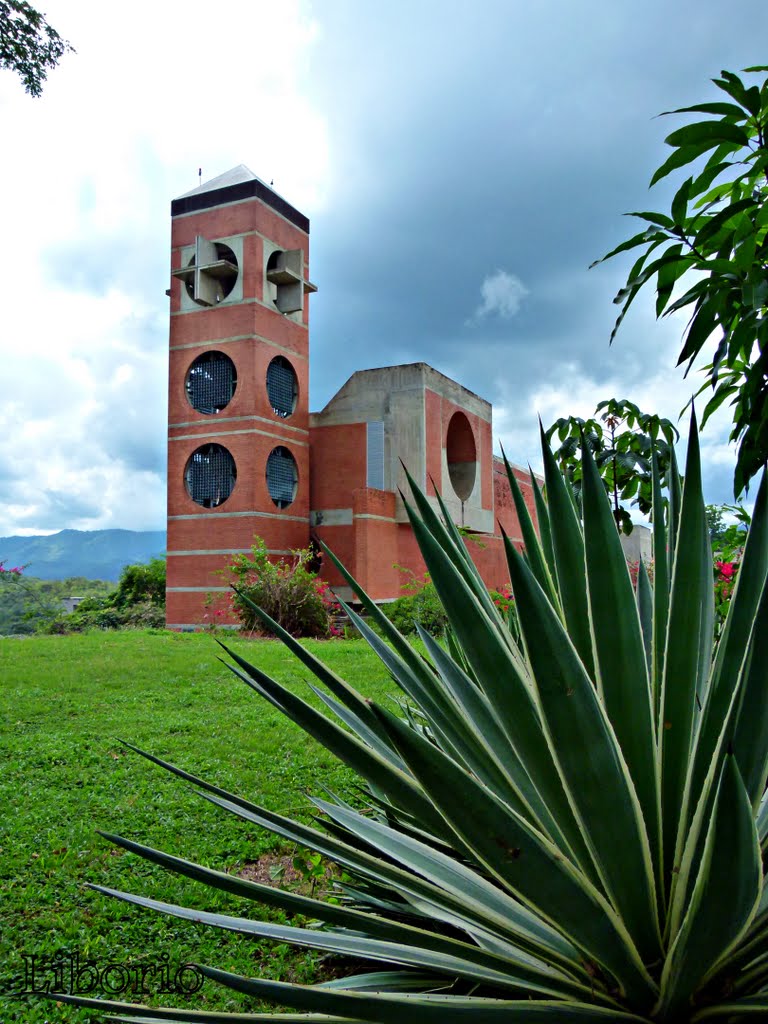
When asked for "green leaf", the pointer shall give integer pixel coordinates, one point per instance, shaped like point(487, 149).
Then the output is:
point(710, 132)
point(504, 678)
point(622, 672)
point(479, 966)
point(735, 1009)
point(545, 530)
point(682, 665)
point(750, 741)
point(632, 243)
point(724, 109)
point(523, 860)
point(600, 787)
point(431, 1009)
point(736, 633)
point(645, 611)
point(714, 224)
point(533, 549)
point(568, 548)
point(139, 1014)
point(725, 896)
point(682, 156)
point(374, 765)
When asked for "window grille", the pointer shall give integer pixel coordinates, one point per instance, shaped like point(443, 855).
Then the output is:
point(282, 477)
point(211, 382)
point(375, 454)
point(210, 475)
point(282, 387)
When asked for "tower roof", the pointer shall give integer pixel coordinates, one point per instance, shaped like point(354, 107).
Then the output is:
point(233, 186)
point(234, 176)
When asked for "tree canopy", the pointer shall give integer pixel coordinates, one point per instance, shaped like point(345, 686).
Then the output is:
point(28, 44)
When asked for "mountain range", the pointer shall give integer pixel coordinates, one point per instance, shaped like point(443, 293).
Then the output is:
point(95, 554)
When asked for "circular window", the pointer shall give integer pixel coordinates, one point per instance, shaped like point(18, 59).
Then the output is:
point(461, 455)
point(211, 382)
point(210, 475)
point(282, 477)
point(220, 275)
point(282, 387)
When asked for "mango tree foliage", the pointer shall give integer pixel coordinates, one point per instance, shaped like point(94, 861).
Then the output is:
point(708, 257)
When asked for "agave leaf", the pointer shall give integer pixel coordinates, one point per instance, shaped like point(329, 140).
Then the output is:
point(291, 902)
point(415, 1009)
point(735, 1009)
point(736, 633)
point(139, 1014)
point(675, 505)
point(512, 919)
point(334, 683)
point(527, 800)
point(725, 897)
point(386, 981)
point(691, 580)
point(568, 548)
point(474, 964)
point(645, 612)
point(762, 818)
point(542, 518)
point(370, 763)
point(453, 888)
point(661, 585)
point(420, 687)
point(750, 741)
point(455, 901)
point(533, 548)
point(524, 861)
point(687, 868)
point(599, 786)
point(506, 682)
point(453, 545)
point(620, 656)
point(357, 726)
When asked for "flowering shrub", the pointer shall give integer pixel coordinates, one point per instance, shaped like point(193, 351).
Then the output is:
point(419, 604)
point(728, 547)
point(287, 590)
point(11, 574)
point(634, 569)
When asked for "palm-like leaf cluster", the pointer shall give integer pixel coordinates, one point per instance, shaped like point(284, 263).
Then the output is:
point(570, 823)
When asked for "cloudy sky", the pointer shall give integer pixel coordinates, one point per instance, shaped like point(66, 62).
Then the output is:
point(461, 163)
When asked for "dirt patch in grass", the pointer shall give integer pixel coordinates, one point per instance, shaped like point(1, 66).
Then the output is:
point(272, 869)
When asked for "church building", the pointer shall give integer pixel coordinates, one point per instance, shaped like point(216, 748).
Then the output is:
point(246, 458)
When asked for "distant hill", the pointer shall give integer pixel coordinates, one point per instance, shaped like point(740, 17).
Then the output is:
point(95, 554)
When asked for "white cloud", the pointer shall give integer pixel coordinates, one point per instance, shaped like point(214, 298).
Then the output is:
point(502, 293)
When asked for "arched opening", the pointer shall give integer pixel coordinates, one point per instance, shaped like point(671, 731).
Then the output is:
point(461, 454)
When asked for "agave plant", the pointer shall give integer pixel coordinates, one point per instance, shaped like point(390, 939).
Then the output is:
point(569, 824)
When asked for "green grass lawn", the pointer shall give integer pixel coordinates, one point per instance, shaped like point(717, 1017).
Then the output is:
point(65, 703)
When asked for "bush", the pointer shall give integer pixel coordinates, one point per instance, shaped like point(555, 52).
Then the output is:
point(420, 606)
point(288, 591)
point(138, 602)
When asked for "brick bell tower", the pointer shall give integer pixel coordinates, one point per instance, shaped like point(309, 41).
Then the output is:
point(238, 417)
